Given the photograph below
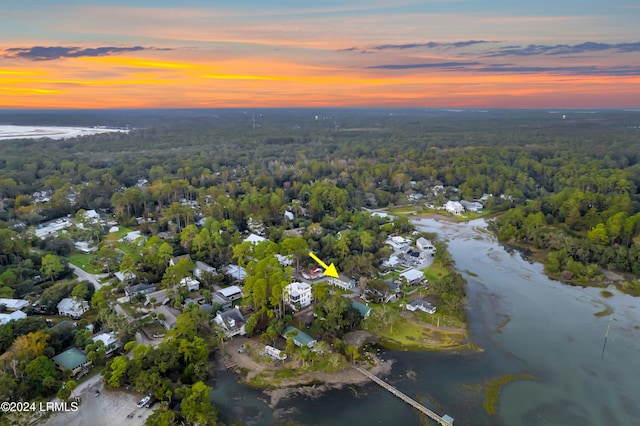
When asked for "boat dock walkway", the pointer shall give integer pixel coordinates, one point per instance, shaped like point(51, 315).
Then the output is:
point(444, 421)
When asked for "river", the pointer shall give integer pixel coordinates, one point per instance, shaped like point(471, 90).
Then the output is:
point(526, 323)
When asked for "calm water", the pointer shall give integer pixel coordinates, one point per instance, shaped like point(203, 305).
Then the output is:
point(549, 330)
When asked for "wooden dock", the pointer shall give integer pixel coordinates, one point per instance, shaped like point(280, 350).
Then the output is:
point(444, 421)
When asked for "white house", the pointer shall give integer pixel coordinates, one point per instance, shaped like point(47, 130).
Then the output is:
point(236, 272)
point(345, 285)
point(454, 207)
point(232, 322)
point(284, 260)
point(192, 284)
point(14, 304)
point(288, 215)
point(91, 216)
point(73, 308)
point(13, 316)
point(397, 242)
point(254, 239)
point(125, 277)
point(421, 305)
point(84, 247)
point(392, 262)
point(110, 341)
point(232, 293)
point(424, 244)
point(297, 294)
point(413, 276)
point(132, 237)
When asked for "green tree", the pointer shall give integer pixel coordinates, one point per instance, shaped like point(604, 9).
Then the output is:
point(161, 417)
point(51, 266)
point(196, 405)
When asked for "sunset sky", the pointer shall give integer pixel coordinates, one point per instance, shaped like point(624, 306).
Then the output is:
point(338, 53)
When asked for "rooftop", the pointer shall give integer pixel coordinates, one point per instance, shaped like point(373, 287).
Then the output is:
point(71, 358)
point(301, 338)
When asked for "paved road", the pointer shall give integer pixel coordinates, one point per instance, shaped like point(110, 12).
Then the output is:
point(85, 276)
point(111, 407)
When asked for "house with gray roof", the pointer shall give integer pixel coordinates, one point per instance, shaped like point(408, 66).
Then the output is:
point(169, 316)
point(232, 322)
point(421, 305)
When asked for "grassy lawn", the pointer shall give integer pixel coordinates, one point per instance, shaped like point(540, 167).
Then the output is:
point(84, 261)
point(409, 334)
point(122, 231)
point(435, 271)
point(404, 210)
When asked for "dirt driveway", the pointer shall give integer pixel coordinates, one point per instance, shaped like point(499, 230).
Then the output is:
point(109, 409)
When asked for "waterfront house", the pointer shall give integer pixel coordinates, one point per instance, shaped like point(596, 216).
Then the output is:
point(421, 305)
point(471, 206)
point(231, 322)
point(413, 276)
point(300, 338)
point(454, 207)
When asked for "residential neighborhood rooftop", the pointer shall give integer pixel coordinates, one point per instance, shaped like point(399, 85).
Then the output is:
point(71, 358)
point(299, 337)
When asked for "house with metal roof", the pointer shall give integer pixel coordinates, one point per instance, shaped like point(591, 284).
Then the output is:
point(72, 359)
point(13, 316)
point(363, 309)
point(232, 293)
point(14, 304)
point(70, 307)
point(300, 338)
point(413, 276)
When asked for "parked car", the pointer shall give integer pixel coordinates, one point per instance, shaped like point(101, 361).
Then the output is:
point(144, 401)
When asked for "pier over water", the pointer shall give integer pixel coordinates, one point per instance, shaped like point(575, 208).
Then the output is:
point(444, 420)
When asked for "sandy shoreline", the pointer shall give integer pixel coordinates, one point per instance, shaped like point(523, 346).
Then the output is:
point(310, 384)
